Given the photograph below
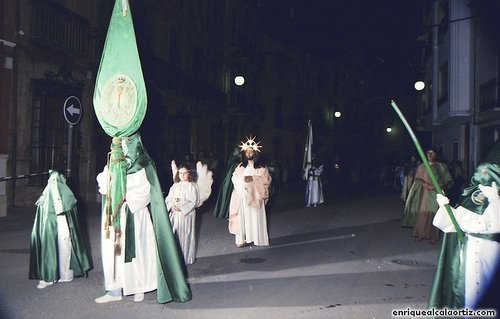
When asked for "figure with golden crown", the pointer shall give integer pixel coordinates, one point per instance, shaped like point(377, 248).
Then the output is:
point(247, 208)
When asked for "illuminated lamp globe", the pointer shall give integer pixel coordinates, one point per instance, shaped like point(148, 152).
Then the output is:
point(239, 80)
point(337, 114)
point(419, 85)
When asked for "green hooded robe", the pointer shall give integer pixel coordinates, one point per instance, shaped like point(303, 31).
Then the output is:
point(172, 285)
point(448, 289)
point(44, 248)
point(221, 208)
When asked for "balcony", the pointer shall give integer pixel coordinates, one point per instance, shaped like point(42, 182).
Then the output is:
point(57, 28)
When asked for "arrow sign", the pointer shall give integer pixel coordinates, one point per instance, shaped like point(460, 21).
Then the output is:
point(72, 110)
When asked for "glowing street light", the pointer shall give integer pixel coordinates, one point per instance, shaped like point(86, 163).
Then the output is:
point(337, 114)
point(239, 80)
point(419, 85)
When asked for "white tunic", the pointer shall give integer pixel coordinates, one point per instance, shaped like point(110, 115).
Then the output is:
point(139, 275)
point(481, 255)
point(184, 195)
point(64, 249)
point(314, 190)
point(247, 209)
point(63, 234)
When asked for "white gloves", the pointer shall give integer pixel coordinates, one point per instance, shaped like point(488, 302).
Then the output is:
point(442, 200)
point(491, 192)
point(173, 165)
point(103, 181)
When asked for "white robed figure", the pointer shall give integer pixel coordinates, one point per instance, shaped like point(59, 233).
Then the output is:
point(314, 189)
point(247, 209)
point(185, 195)
point(139, 275)
point(138, 247)
point(481, 253)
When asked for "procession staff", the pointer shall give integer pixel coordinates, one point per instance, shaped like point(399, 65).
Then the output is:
point(447, 290)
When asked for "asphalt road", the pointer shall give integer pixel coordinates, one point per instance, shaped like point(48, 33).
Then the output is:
point(346, 259)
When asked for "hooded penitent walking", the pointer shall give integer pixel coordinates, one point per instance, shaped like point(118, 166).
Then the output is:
point(139, 250)
point(57, 251)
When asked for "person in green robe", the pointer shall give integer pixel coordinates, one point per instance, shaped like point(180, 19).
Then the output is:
point(421, 205)
point(57, 250)
point(139, 250)
point(221, 208)
point(467, 272)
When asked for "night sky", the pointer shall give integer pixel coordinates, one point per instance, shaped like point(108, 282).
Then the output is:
point(382, 36)
point(382, 33)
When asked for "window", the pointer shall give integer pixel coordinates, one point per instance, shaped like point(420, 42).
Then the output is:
point(427, 103)
point(443, 19)
point(456, 149)
point(442, 84)
point(488, 95)
point(49, 131)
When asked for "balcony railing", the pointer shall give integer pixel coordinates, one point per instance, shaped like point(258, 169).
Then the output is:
point(58, 28)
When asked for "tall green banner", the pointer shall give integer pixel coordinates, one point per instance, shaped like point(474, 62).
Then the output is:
point(120, 99)
point(120, 103)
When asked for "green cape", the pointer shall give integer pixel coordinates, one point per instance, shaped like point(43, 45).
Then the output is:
point(172, 285)
point(448, 289)
point(221, 208)
point(413, 202)
point(44, 247)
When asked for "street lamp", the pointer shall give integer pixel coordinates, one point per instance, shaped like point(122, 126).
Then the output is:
point(239, 80)
point(419, 85)
point(330, 115)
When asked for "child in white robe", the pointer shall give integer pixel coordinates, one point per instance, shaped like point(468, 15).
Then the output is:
point(182, 199)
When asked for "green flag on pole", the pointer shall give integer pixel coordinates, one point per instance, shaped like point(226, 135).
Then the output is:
point(307, 163)
point(120, 99)
point(120, 102)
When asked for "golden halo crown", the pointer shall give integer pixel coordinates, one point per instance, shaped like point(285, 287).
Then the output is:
point(250, 143)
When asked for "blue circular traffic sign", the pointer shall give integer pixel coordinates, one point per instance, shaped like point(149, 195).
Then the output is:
point(72, 110)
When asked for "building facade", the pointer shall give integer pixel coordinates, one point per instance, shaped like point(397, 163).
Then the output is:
point(190, 51)
point(461, 58)
point(49, 51)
